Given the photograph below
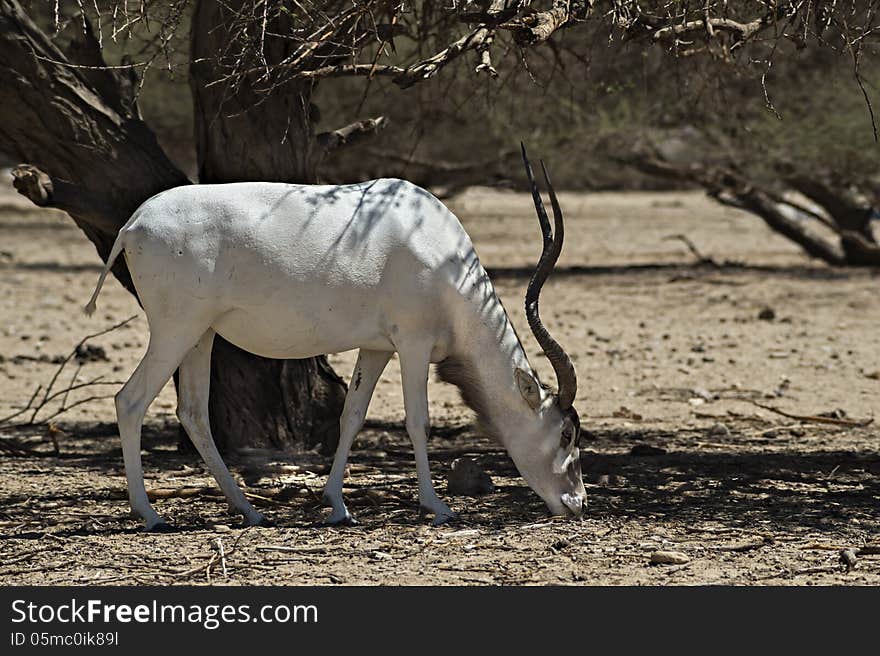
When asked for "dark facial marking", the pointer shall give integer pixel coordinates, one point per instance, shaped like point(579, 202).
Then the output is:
point(572, 416)
point(573, 471)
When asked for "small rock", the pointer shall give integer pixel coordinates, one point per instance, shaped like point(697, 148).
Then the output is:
point(609, 480)
point(669, 558)
point(222, 528)
point(719, 430)
point(848, 558)
point(90, 353)
point(625, 413)
point(646, 450)
point(381, 555)
point(767, 314)
point(702, 393)
point(873, 375)
point(288, 492)
point(467, 478)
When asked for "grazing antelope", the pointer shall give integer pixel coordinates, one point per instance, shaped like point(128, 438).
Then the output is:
point(293, 271)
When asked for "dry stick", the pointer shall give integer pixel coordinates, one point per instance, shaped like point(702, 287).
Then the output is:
point(222, 557)
point(207, 566)
point(207, 491)
point(301, 550)
point(24, 556)
point(701, 259)
point(36, 406)
point(866, 550)
point(820, 569)
point(72, 354)
point(860, 423)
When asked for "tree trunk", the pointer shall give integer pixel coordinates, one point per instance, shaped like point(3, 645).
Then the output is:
point(92, 156)
point(246, 134)
point(90, 153)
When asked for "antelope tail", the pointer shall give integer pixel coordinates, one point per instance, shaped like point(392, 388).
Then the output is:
point(118, 247)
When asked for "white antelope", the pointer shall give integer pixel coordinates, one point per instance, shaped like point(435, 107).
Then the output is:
point(293, 271)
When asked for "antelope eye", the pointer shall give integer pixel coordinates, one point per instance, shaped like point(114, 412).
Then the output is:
point(566, 437)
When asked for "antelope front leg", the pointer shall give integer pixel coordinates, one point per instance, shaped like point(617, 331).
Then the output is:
point(414, 364)
point(367, 370)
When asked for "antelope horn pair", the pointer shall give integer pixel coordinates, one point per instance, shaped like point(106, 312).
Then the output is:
point(566, 377)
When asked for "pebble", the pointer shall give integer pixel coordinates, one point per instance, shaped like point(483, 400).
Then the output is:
point(702, 393)
point(669, 558)
point(848, 558)
point(719, 430)
point(467, 478)
point(767, 314)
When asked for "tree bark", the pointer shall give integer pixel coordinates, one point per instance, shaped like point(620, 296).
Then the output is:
point(242, 134)
point(90, 154)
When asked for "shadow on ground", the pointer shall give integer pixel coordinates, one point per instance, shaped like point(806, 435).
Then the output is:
point(650, 474)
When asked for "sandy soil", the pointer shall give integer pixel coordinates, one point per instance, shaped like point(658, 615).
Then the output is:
point(672, 360)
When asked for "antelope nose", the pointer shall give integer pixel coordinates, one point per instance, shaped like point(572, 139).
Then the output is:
point(574, 503)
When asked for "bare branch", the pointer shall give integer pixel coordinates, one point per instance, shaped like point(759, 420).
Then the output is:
point(538, 26)
point(350, 134)
point(37, 402)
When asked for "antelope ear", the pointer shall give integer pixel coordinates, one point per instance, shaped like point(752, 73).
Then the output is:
point(529, 388)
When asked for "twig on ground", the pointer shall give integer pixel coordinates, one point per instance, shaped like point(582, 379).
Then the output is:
point(701, 259)
point(222, 553)
point(189, 492)
point(855, 423)
point(820, 569)
point(300, 550)
point(38, 402)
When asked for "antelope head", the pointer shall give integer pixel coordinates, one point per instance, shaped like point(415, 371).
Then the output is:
point(546, 449)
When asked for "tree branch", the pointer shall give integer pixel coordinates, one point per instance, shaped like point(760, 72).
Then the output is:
point(428, 68)
point(538, 26)
point(350, 134)
point(729, 188)
point(86, 154)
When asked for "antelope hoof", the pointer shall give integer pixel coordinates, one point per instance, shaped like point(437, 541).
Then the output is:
point(340, 519)
point(258, 519)
point(444, 518)
point(442, 515)
point(160, 527)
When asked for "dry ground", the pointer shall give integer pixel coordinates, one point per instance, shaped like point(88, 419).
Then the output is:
point(672, 359)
